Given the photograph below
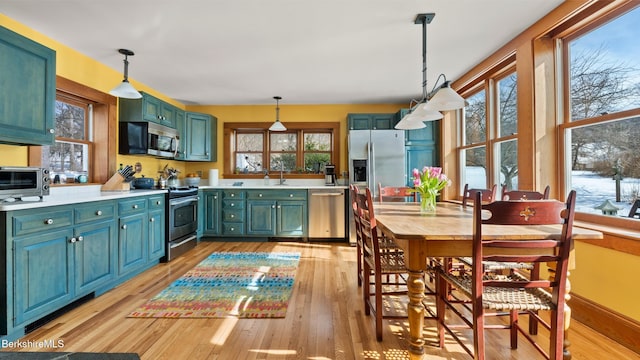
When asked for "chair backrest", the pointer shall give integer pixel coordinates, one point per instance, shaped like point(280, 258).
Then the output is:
point(544, 250)
point(353, 191)
point(635, 210)
point(525, 194)
point(396, 193)
point(488, 195)
point(368, 227)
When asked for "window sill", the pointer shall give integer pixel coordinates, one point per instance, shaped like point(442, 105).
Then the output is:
point(620, 234)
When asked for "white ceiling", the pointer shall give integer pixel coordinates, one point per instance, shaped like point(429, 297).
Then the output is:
point(231, 52)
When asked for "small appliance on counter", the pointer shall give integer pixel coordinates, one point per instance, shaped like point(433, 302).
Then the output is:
point(330, 175)
point(17, 182)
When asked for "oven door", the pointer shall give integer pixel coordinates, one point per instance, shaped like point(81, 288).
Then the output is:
point(183, 217)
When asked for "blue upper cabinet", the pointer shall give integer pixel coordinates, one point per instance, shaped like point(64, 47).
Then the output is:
point(27, 90)
point(149, 108)
point(370, 121)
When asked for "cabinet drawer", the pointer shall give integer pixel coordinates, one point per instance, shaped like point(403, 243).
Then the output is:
point(133, 206)
point(277, 194)
point(233, 215)
point(231, 228)
point(232, 204)
point(156, 202)
point(94, 212)
point(32, 222)
point(233, 194)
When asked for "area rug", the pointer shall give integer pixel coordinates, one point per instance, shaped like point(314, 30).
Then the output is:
point(228, 284)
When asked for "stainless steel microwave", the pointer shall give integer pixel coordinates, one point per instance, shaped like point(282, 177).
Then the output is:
point(147, 138)
point(17, 182)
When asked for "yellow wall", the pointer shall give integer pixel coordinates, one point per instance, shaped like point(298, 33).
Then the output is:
point(606, 277)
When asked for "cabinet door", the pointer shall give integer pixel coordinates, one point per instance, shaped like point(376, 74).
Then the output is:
point(168, 115)
point(181, 126)
point(132, 244)
point(198, 139)
point(28, 90)
point(261, 217)
point(95, 256)
point(211, 213)
point(382, 121)
point(156, 235)
point(292, 218)
point(43, 267)
point(359, 121)
point(151, 108)
point(427, 136)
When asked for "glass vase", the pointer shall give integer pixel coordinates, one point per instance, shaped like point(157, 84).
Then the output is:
point(427, 205)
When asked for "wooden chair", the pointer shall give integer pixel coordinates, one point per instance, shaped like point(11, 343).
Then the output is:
point(525, 194)
point(634, 212)
point(380, 257)
point(353, 191)
point(488, 195)
point(395, 193)
point(513, 292)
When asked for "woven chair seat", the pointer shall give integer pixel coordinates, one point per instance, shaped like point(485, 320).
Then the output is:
point(504, 299)
point(497, 265)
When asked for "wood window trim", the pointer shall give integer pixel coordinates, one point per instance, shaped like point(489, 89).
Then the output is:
point(230, 127)
point(104, 129)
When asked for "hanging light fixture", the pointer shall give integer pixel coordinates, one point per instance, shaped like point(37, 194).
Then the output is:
point(425, 109)
point(277, 125)
point(125, 89)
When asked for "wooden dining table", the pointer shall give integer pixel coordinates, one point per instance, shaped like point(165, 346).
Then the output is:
point(447, 233)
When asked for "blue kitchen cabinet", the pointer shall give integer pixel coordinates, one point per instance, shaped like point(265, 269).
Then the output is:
point(94, 256)
point(199, 137)
point(421, 146)
point(370, 121)
point(291, 218)
point(133, 233)
point(148, 108)
point(28, 91)
point(43, 266)
point(210, 214)
point(156, 231)
point(233, 212)
point(277, 213)
point(261, 217)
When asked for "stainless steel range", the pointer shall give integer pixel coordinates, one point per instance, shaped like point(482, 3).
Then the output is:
point(182, 221)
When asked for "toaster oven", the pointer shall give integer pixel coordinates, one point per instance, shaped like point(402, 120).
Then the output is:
point(17, 182)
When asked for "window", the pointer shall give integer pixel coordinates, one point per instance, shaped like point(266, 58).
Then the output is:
point(69, 157)
point(489, 152)
point(602, 157)
point(86, 142)
point(303, 149)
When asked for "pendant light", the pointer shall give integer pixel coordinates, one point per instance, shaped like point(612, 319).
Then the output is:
point(125, 89)
point(425, 109)
point(277, 125)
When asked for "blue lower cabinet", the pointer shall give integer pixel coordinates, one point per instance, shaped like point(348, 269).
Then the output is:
point(156, 235)
point(261, 217)
point(291, 218)
point(43, 266)
point(95, 256)
point(132, 249)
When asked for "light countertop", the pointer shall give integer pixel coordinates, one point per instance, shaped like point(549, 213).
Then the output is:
point(73, 195)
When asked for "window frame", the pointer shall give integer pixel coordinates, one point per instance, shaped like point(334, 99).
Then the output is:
point(231, 128)
point(104, 130)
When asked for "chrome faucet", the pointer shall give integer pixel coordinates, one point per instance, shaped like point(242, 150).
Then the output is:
point(282, 179)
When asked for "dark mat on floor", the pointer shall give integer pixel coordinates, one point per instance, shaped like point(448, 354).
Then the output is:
point(67, 356)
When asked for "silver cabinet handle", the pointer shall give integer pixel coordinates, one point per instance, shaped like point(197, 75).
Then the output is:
point(279, 207)
point(152, 219)
point(124, 227)
point(135, 206)
point(158, 202)
point(232, 229)
point(290, 195)
point(99, 212)
point(215, 197)
point(232, 194)
point(273, 206)
point(52, 131)
point(232, 204)
point(72, 240)
point(48, 221)
point(80, 238)
point(232, 216)
point(260, 195)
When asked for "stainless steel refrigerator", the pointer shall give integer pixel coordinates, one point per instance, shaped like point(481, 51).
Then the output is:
point(377, 156)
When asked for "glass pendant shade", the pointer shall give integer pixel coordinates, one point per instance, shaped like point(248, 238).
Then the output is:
point(409, 122)
point(125, 90)
point(446, 99)
point(277, 125)
point(423, 113)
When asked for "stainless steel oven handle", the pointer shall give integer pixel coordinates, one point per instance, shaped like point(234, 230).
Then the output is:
point(173, 245)
point(175, 202)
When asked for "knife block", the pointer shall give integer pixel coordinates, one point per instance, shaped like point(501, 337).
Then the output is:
point(116, 183)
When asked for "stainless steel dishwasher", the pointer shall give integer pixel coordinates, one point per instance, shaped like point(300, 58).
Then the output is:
point(327, 213)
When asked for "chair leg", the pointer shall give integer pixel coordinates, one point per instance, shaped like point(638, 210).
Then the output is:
point(441, 288)
point(359, 262)
point(378, 302)
point(514, 328)
point(557, 335)
point(366, 288)
point(478, 329)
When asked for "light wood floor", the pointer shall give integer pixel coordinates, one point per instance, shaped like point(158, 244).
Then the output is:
point(325, 320)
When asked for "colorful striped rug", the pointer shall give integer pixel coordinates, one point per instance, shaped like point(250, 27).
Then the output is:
point(228, 284)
